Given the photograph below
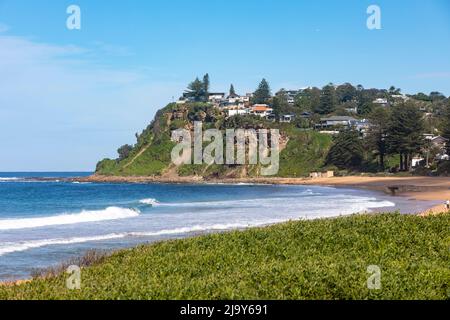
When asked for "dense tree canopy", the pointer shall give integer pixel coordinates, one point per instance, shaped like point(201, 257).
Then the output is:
point(405, 133)
point(199, 90)
point(124, 151)
point(263, 93)
point(376, 137)
point(328, 101)
point(446, 126)
point(232, 91)
point(347, 151)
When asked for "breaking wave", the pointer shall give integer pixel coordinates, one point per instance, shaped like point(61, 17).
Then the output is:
point(8, 248)
point(111, 213)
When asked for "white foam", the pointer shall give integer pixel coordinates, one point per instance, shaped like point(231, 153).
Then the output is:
point(150, 202)
point(111, 213)
point(9, 179)
point(27, 245)
point(8, 248)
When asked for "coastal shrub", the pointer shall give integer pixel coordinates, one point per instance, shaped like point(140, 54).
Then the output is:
point(314, 259)
point(90, 258)
point(304, 153)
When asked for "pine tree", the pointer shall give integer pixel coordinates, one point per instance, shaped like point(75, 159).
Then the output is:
point(263, 93)
point(328, 102)
point(376, 137)
point(347, 151)
point(446, 126)
point(232, 91)
point(196, 90)
point(206, 84)
point(405, 133)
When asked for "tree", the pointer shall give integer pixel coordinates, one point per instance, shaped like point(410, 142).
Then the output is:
point(365, 108)
point(436, 96)
point(347, 151)
point(196, 90)
point(263, 93)
point(327, 103)
point(376, 137)
point(232, 91)
point(308, 99)
point(206, 84)
point(446, 126)
point(405, 133)
point(394, 90)
point(280, 103)
point(124, 151)
point(346, 93)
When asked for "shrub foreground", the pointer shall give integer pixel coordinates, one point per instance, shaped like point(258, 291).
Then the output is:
point(320, 259)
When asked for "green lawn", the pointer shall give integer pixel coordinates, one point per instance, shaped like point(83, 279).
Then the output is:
point(321, 259)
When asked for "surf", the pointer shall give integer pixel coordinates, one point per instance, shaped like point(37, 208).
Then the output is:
point(111, 213)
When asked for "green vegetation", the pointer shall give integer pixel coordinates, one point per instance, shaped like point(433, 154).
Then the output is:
point(305, 152)
point(328, 101)
point(405, 133)
point(263, 93)
point(347, 151)
point(391, 138)
point(320, 259)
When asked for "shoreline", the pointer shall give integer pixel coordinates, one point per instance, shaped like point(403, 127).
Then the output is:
point(414, 188)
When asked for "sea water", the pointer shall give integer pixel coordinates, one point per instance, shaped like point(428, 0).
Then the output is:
point(44, 222)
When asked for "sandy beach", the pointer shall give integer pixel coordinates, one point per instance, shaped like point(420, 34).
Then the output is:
point(415, 188)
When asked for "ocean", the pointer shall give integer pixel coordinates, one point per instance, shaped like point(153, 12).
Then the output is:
point(44, 222)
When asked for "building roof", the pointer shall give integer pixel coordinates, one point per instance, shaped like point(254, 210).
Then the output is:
point(338, 118)
point(261, 107)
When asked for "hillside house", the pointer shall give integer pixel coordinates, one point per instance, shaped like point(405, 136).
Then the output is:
point(336, 121)
point(287, 118)
point(262, 110)
point(216, 96)
point(382, 102)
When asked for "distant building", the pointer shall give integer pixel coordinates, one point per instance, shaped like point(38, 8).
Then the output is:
point(237, 112)
point(335, 121)
point(287, 118)
point(436, 141)
point(352, 110)
point(271, 117)
point(416, 161)
point(381, 102)
point(362, 126)
point(216, 97)
point(306, 115)
point(290, 95)
point(262, 110)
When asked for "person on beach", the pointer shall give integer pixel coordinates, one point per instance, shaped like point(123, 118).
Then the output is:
point(447, 205)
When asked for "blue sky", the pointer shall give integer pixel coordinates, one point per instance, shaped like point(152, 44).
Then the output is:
point(70, 98)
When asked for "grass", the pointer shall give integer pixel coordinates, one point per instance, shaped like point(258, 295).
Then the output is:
point(306, 152)
point(321, 259)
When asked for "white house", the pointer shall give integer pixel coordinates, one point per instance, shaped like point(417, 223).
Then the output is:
point(381, 101)
point(262, 110)
point(237, 112)
point(216, 96)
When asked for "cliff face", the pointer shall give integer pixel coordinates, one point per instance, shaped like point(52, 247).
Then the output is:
point(301, 151)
